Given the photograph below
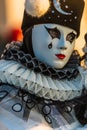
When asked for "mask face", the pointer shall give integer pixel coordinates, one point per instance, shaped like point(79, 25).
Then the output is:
point(53, 44)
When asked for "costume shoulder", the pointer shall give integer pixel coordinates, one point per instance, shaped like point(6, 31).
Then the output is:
point(83, 73)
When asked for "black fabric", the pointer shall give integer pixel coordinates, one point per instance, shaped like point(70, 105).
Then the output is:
point(27, 42)
point(75, 7)
point(81, 109)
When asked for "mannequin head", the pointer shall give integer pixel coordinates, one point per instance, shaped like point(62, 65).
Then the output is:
point(53, 44)
point(50, 29)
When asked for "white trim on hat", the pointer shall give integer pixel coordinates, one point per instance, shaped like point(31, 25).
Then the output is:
point(37, 8)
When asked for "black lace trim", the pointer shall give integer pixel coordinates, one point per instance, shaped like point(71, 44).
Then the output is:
point(13, 52)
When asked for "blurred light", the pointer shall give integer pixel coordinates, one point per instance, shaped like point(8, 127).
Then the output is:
point(16, 34)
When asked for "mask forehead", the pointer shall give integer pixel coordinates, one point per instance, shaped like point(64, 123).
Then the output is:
point(40, 34)
point(62, 29)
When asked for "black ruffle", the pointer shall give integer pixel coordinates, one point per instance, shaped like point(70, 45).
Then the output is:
point(14, 52)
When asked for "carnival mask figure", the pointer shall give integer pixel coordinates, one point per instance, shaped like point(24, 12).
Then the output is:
point(54, 30)
point(44, 70)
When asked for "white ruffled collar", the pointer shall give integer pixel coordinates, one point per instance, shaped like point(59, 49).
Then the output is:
point(13, 73)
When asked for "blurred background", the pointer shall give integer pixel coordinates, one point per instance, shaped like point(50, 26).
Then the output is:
point(11, 14)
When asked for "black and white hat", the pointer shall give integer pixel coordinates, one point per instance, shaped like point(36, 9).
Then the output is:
point(62, 12)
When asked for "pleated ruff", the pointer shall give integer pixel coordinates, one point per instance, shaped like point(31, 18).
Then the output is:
point(13, 73)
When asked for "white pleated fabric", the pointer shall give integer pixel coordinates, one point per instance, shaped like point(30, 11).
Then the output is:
point(13, 73)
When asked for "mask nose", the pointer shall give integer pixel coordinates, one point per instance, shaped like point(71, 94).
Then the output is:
point(63, 48)
point(61, 43)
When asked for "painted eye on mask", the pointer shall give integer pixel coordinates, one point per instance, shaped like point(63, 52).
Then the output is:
point(50, 45)
point(71, 37)
point(53, 32)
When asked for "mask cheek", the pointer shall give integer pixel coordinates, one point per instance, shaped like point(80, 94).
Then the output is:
point(69, 51)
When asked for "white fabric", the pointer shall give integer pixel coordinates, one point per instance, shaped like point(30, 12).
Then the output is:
point(35, 122)
point(8, 121)
point(14, 73)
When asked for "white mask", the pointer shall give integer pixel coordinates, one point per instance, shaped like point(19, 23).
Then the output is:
point(53, 44)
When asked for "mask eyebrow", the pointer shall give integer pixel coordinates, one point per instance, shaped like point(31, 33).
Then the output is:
point(54, 32)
